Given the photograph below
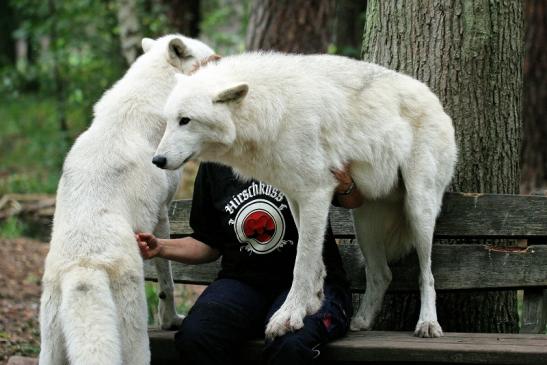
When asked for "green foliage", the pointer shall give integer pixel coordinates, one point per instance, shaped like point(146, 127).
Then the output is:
point(153, 18)
point(11, 228)
point(33, 147)
point(74, 50)
point(74, 55)
point(152, 301)
point(224, 24)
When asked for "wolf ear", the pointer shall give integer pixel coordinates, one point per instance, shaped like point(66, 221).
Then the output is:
point(146, 44)
point(234, 93)
point(177, 52)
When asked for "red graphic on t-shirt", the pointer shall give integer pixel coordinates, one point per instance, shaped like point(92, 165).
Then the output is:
point(259, 225)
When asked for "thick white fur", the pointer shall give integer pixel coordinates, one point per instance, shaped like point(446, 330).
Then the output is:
point(93, 306)
point(289, 120)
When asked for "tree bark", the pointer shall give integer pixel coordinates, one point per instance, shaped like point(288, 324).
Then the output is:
point(184, 16)
point(469, 52)
point(297, 26)
point(534, 147)
point(128, 22)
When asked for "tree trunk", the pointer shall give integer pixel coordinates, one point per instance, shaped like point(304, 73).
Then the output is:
point(297, 26)
point(470, 53)
point(534, 147)
point(128, 22)
point(184, 16)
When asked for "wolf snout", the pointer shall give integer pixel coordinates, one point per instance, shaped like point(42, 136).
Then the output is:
point(159, 161)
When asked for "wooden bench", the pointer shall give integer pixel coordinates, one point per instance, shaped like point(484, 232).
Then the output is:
point(455, 267)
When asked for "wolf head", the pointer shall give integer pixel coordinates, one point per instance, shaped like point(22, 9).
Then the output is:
point(179, 51)
point(152, 76)
point(200, 123)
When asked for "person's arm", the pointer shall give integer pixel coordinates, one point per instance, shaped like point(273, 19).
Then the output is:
point(346, 193)
point(187, 250)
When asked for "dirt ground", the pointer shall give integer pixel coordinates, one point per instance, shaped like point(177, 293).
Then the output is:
point(21, 267)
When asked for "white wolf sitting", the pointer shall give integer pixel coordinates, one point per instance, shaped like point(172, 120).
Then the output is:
point(93, 306)
point(289, 120)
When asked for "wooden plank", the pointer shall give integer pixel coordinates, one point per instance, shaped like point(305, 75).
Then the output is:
point(460, 267)
point(452, 348)
point(466, 215)
point(179, 217)
point(382, 346)
point(463, 215)
point(534, 311)
point(454, 267)
point(492, 215)
point(202, 274)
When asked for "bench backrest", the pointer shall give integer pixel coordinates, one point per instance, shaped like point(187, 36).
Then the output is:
point(469, 265)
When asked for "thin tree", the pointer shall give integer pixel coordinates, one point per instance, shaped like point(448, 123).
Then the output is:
point(470, 53)
point(130, 36)
point(59, 84)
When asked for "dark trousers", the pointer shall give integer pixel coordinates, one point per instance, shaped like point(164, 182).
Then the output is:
point(230, 312)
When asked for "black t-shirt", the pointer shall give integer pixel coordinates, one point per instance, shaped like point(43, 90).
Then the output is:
point(251, 225)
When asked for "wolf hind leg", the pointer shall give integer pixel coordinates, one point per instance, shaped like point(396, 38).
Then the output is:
point(422, 204)
point(375, 222)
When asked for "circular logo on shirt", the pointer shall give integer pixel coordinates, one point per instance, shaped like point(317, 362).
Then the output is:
point(260, 225)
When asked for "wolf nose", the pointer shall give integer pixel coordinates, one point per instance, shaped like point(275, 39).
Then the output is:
point(159, 161)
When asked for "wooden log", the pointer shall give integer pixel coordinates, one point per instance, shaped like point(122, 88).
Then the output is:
point(454, 267)
point(464, 215)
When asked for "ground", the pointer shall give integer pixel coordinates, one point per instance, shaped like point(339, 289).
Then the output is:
point(21, 267)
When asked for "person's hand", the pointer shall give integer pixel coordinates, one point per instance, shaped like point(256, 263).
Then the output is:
point(149, 245)
point(344, 179)
point(346, 193)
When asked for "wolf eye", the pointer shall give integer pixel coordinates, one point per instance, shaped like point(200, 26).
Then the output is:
point(184, 121)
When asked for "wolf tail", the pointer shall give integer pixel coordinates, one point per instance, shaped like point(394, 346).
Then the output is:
point(89, 318)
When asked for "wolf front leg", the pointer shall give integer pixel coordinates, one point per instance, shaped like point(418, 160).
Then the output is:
point(168, 317)
point(306, 293)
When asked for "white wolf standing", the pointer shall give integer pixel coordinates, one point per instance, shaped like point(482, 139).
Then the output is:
point(93, 306)
point(289, 120)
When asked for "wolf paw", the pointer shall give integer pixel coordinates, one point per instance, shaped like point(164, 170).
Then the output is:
point(428, 329)
point(290, 317)
point(171, 323)
point(284, 321)
point(360, 324)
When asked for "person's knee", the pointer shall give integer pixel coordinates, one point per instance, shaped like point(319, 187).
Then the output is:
point(197, 329)
point(288, 349)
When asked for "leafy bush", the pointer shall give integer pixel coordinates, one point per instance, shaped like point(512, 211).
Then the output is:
point(11, 228)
